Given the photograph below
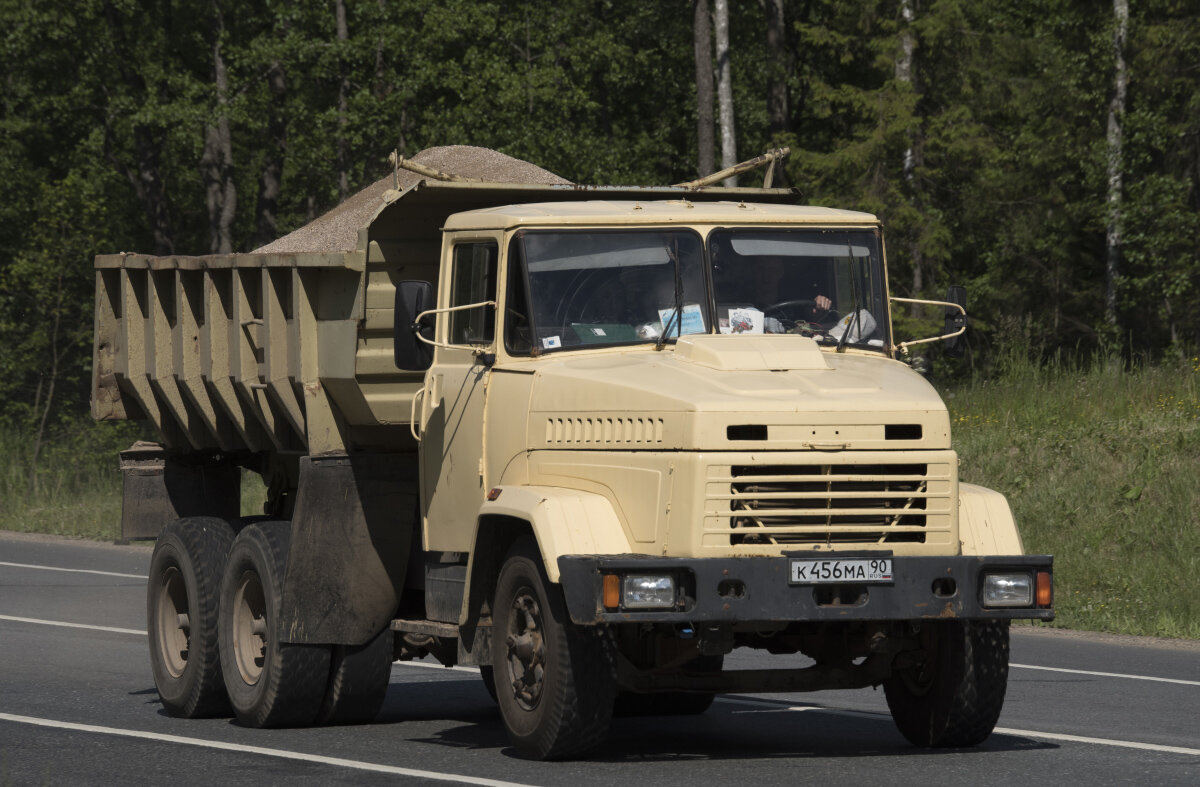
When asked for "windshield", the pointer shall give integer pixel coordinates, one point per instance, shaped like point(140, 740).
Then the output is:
point(826, 284)
point(604, 287)
point(610, 287)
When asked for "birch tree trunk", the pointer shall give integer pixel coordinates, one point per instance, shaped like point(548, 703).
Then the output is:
point(702, 47)
point(904, 69)
point(906, 73)
point(1116, 116)
point(725, 90)
point(777, 65)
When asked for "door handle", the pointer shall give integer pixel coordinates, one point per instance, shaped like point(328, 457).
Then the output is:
point(412, 415)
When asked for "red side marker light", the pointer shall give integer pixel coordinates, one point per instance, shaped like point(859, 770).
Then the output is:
point(493, 493)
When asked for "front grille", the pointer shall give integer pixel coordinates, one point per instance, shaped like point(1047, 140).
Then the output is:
point(830, 504)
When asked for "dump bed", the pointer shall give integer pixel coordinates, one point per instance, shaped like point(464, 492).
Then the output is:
point(290, 352)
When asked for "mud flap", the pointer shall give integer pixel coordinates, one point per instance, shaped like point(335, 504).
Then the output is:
point(351, 535)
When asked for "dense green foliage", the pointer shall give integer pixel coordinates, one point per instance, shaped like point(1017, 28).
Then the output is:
point(985, 155)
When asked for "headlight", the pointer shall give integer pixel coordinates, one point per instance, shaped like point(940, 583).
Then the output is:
point(1008, 590)
point(641, 591)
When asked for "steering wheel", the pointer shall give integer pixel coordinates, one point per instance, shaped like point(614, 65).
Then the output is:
point(788, 314)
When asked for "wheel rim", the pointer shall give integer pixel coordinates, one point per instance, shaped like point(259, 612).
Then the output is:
point(526, 649)
point(174, 622)
point(249, 627)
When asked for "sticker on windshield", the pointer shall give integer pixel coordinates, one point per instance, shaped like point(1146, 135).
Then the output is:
point(744, 320)
point(692, 320)
point(551, 343)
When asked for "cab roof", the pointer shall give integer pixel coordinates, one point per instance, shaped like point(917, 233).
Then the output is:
point(650, 211)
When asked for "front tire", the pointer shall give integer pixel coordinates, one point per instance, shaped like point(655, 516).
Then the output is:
point(181, 615)
point(954, 698)
point(553, 683)
point(270, 683)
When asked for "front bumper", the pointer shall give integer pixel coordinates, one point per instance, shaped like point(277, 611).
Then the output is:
point(756, 589)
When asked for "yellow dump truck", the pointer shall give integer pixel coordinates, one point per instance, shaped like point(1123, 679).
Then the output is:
point(590, 439)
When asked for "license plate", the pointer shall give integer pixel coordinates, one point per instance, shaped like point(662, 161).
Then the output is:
point(807, 571)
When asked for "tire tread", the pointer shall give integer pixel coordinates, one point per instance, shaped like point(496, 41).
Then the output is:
point(580, 712)
point(204, 542)
point(358, 681)
point(963, 705)
point(296, 675)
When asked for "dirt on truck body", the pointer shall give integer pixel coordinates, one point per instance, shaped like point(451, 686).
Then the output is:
point(590, 439)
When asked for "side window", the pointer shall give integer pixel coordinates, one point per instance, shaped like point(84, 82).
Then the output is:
point(473, 281)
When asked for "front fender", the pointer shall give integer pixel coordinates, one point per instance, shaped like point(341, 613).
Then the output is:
point(985, 523)
point(564, 521)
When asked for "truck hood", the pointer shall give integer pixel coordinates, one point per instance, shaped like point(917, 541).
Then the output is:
point(734, 392)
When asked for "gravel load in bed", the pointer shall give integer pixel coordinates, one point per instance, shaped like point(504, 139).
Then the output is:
point(337, 230)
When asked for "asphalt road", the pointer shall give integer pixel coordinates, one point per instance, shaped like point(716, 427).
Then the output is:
point(78, 706)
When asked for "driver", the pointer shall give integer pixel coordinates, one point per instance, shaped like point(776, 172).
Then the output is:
point(768, 278)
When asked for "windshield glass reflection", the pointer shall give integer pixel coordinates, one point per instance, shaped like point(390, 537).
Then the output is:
point(826, 284)
point(615, 287)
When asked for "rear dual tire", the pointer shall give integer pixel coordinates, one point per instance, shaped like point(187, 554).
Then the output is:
point(358, 681)
point(182, 615)
point(270, 683)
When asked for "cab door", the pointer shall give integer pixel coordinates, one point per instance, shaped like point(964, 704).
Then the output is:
point(451, 445)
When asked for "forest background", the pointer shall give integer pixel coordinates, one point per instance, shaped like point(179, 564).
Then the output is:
point(1043, 153)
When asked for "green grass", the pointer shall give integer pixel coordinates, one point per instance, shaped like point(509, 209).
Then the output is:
point(77, 492)
point(1102, 469)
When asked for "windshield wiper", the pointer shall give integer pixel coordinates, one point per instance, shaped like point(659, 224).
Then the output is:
point(854, 323)
point(676, 318)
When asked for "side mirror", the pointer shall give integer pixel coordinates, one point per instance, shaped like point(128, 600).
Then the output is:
point(413, 298)
point(955, 320)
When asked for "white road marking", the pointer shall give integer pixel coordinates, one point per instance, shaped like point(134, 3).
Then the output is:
point(1053, 736)
point(1058, 736)
point(72, 625)
point(796, 708)
point(433, 665)
point(238, 747)
point(769, 705)
point(1108, 674)
point(72, 570)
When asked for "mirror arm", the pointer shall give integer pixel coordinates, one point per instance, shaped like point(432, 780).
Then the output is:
point(903, 346)
point(428, 312)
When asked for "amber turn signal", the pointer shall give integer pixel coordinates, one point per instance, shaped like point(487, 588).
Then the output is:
point(612, 591)
point(1043, 589)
